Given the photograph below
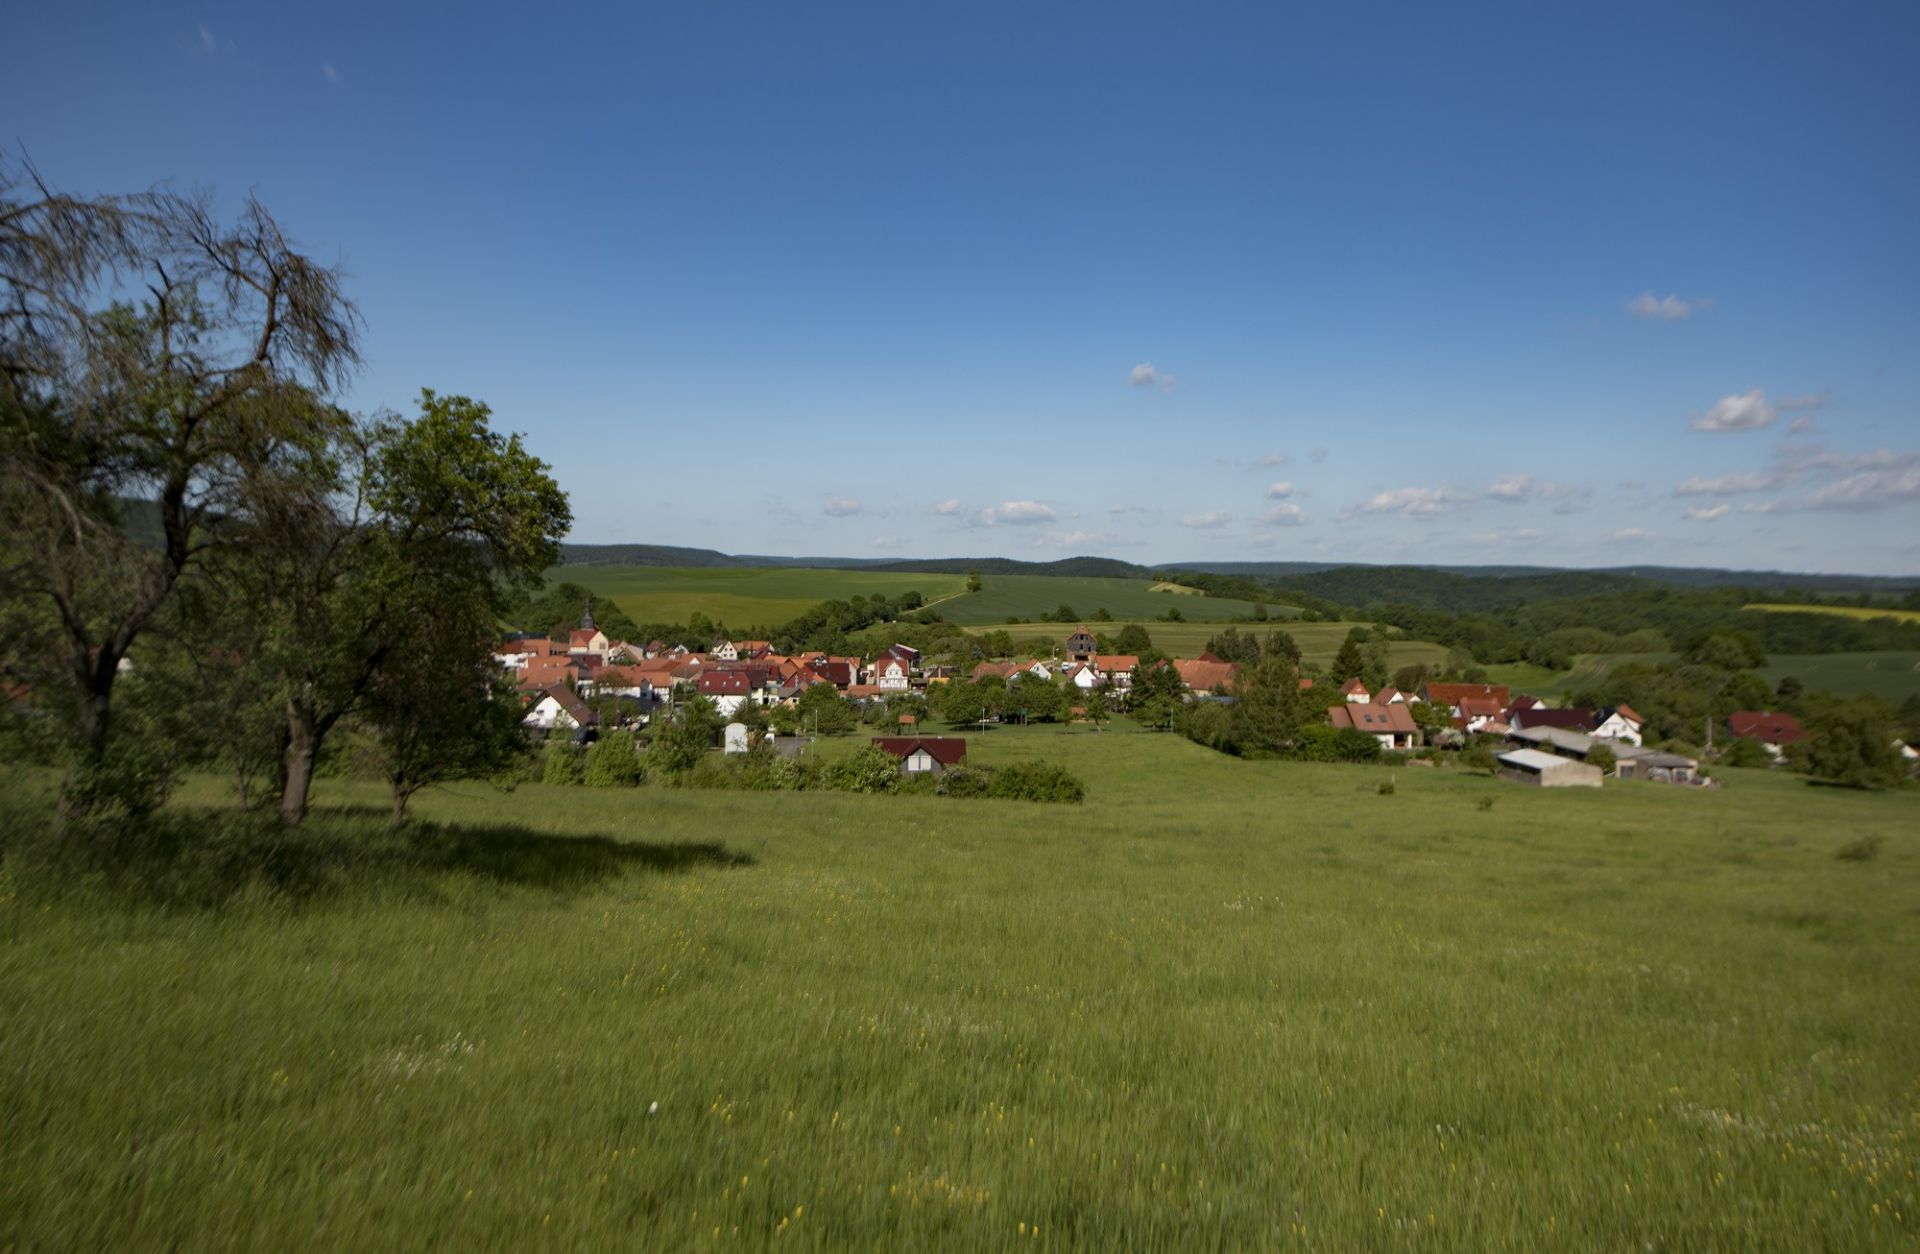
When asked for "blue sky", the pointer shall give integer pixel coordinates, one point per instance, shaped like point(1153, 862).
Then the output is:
point(1372, 283)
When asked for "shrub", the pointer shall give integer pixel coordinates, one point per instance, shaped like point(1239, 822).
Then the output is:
point(966, 781)
point(1321, 743)
point(1386, 788)
point(871, 770)
point(1036, 781)
point(562, 764)
point(1747, 753)
point(613, 762)
point(1603, 757)
point(1866, 849)
point(1479, 756)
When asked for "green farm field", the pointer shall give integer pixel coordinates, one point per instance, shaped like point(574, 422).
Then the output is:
point(742, 598)
point(1318, 641)
point(1892, 675)
point(1845, 611)
point(1028, 597)
point(1222, 1005)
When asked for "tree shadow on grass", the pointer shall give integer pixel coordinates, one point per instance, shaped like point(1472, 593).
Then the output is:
point(205, 858)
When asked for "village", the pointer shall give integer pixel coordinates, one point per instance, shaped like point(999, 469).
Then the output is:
point(574, 687)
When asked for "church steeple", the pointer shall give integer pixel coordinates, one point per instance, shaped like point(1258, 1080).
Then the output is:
point(586, 616)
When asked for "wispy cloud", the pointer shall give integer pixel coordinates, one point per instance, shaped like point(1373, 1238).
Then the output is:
point(207, 42)
point(1630, 535)
point(1282, 516)
point(1707, 513)
point(1863, 490)
point(330, 74)
point(1731, 484)
point(1212, 520)
point(1665, 308)
point(1272, 459)
point(1411, 502)
point(886, 542)
point(1802, 404)
point(1280, 491)
point(1742, 411)
point(840, 507)
point(1082, 540)
point(946, 509)
point(1145, 376)
point(1132, 509)
point(1014, 514)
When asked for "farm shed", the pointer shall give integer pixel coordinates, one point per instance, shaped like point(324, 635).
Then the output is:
point(1531, 766)
point(920, 755)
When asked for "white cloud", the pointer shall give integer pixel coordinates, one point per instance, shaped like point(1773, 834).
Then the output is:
point(1743, 411)
point(1212, 520)
point(840, 507)
point(1707, 513)
point(1412, 502)
point(332, 75)
point(1279, 491)
point(946, 508)
point(1863, 490)
point(1015, 514)
point(207, 42)
point(1132, 509)
point(1511, 488)
point(1630, 535)
point(1664, 308)
point(886, 542)
point(1082, 539)
point(1273, 459)
point(1803, 425)
point(1282, 516)
point(1731, 484)
point(1145, 376)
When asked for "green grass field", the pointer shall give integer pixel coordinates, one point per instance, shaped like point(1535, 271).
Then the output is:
point(1027, 597)
point(1845, 611)
point(1891, 675)
point(1318, 641)
point(1222, 1005)
point(742, 598)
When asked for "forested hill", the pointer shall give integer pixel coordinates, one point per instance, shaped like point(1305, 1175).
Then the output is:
point(1680, 576)
point(1431, 589)
point(1071, 567)
point(644, 555)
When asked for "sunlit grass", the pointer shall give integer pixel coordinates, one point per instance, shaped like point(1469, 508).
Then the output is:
point(1221, 1005)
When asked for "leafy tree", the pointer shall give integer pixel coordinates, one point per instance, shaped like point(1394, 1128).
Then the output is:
point(613, 761)
point(1157, 694)
point(1269, 709)
point(1412, 678)
point(156, 364)
point(1789, 692)
point(824, 710)
point(1602, 756)
point(438, 716)
point(1351, 661)
point(403, 523)
point(1102, 615)
point(1851, 743)
point(1726, 650)
point(1232, 645)
point(973, 581)
point(562, 763)
point(1281, 644)
point(1173, 615)
point(1133, 640)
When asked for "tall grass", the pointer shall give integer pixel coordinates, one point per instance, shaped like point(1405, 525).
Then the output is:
point(1221, 1005)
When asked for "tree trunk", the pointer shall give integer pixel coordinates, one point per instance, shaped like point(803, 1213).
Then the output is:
point(401, 793)
point(303, 745)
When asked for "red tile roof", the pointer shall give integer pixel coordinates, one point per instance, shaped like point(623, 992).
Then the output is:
point(946, 750)
point(1766, 726)
point(1377, 720)
point(1451, 694)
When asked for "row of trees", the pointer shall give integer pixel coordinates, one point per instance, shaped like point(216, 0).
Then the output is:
point(201, 555)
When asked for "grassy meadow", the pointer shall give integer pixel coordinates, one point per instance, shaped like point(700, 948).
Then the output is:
point(1844, 611)
point(1892, 675)
point(1318, 641)
point(1222, 1005)
point(742, 597)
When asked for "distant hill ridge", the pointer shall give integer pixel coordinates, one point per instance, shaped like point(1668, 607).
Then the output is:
point(1346, 582)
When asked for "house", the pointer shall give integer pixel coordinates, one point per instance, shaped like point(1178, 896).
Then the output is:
point(1478, 714)
point(1391, 725)
point(892, 674)
point(548, 672)
point(1117, 667)
point(588, 640)
point(1389, 695)
point(1449, 696)
point(1547, 770)
point(1569, 720)
point(1038, 669)
point(995, 670)
point(558, 709)
point(728, 690)
point(1355, 693)
point(1619, 724)
point(924, 755)
point(1663, 768)
point(906, 653)
point(1081, 646)
point(1772, 729)
point(1083, 675)
point(839, 672)
point(1207, 673)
